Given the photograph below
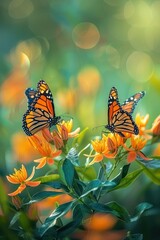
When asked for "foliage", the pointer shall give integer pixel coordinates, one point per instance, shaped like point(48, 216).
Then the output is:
point(86, 182)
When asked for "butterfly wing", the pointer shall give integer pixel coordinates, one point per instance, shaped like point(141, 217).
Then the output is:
point(41, 112)
point(123, 122)
point(113, 104)
point(119, 121)
point(130, 103)
point(35, 120)
point(31, 95)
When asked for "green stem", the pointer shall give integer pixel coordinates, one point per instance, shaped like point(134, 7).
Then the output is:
point(104, 168)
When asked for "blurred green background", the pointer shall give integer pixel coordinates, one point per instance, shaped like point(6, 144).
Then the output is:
point(81, 49)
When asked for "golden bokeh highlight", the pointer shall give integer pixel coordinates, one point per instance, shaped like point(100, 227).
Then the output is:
point(30, 48)
point(19, 9)
point(140, 66)
point(89, 79)
point(85, 35)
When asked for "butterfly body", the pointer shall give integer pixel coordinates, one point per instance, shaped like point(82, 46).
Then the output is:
point(41, 112)
point(119, 116)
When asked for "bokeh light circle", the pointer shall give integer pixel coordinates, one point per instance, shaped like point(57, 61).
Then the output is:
point(140, 66)
point(85, 35)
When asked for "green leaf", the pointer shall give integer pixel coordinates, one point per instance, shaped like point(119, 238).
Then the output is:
point(95, 184)
point(130, 178)
point(122, 212)
point(140, 209)
point(153, 174)
point(48, 178)
point(98, 207)
point(66, 171)
point(73, 225)
point(57, 185)
point(42, 195)
point(14, 219)
point(3, 199)
point(122, 174)
point(52, 219)
point(73, 156)
point(151, 163)
point(137, 236)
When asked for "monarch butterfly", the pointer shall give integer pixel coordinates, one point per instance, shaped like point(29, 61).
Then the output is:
point(119, 116)
point(41, 112)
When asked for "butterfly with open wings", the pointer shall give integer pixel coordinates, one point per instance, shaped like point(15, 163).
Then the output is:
point(119, 116)
point(41, 111)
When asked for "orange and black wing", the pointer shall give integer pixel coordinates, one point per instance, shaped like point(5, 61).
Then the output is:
point(130, 103)
point(41, 112)
point(35, 120)
point(44, 99)
point(119, 121)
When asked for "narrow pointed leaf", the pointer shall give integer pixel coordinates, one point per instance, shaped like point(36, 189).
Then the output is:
point(73, 225)
point(48, 178)
point(52, 219)
point(122, 174)
point(123, 213)
point(42, 195)
point(130, 178)
point(153, 174)
point(140, 209)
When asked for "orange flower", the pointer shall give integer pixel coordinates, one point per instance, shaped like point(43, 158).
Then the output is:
point(156, 126)
point(100, 222)
point(21, 177)
point(14, 85)
point(22, 149)
point(141, 122)
point(45, 149)
point(57, 139)
point(105, 147)
point(65, 130)
point(137, 144)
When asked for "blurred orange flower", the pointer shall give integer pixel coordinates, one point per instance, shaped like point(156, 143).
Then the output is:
point(12, 89)
point(86, 78)
point(156, 126)
point(45, 149)
point(21, 177)
point(100, 222)
point(46, 206)
point(141, 122)
point(137, 144)
point(22, 149)
point(68, 99)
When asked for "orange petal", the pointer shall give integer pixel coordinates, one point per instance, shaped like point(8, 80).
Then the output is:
point(97, 158)
point(12, 179)
point(42, 162)
point(33, 184)
point(24, 172)
point(131, 156)
point(18, 191)
point(74, 133)
point(32, 174)
point(56, 153)
point(47, 135)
